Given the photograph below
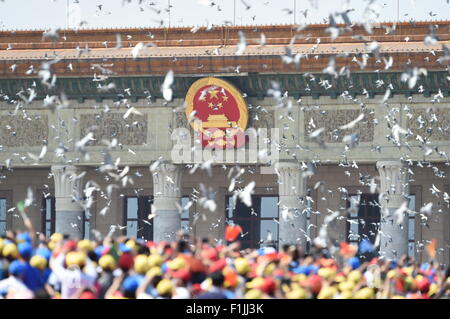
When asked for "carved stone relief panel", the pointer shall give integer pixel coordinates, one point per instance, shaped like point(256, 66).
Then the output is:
point(433, 124)
point(17, 131)
point(331, 120)
point(130, 131)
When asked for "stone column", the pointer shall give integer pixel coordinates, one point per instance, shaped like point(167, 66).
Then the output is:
point(394, 190)
point(69, 214)
point(292, 191)
point(167, 194)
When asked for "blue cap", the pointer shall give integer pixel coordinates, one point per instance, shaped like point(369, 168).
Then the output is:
point(124, 248)
point(393, 264)
point(25, 249)
point(354, 262)
point(44, 252)
point(164, 267)
point(365, 246)
point(98, 251)
point(24, 237)
point(130, 283)
point(17, 268)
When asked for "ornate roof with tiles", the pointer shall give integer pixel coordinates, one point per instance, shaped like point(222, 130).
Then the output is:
point(287, 50)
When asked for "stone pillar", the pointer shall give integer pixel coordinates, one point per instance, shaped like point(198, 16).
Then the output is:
point(69, 214)
point(167, 194)
point(394, 190)
point(292, 191)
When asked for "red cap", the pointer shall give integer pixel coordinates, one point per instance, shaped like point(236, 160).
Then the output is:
point(70, 245)
point(314, 283)
point(183, 274)
point(218, 265)
point(423, 285)
point(269, 285)
point(126, 261)
point(196, 265)
point(211, 254)
point(88, 295)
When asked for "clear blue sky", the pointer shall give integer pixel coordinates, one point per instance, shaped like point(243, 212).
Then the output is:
point(46, 14)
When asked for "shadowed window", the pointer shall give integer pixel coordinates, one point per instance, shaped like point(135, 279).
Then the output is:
point(135, 217)
point(48, 216)
point(259, 222)
point(3, 212)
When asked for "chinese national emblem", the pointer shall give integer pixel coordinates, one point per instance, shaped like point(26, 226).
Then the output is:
point(217, 110)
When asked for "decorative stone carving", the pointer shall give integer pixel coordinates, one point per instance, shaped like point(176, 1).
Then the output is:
point(181, 120)
point(167, 196)
point(434, 125)
point(261, 119)
point(393, 231)
point(394, 183)
point(167, 179)
point(67, 187)
point(17, 131)
point(130, 131)
point(293, 219)
point(290, 181)
point(331, 120)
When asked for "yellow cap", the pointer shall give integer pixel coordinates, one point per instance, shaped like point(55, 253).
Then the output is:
point(255, 283)
point(2, 244)
point(75, 258)
point(56, 237)
point(299, 277)
point(297, 293)
point(354, 276)
point(408, 270)
point(434, 288)
point(339, 278)
point(253, 294)
point(327, 273)
point(327, 292)
point(107, 262)
point(242, 266)
point(391, 273)
point(269, 269)
point(154, 271)
point(131, 244)
point(346, 294)
point(38, 262)
point(346, 285)
point(155, 260)
point(364, 293)
point(141, 264)
point(51, 245)
point(164, 287)
point(177, 263)
point(10, 250)
point(85, 245)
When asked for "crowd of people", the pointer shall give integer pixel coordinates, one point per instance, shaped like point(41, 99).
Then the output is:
point(120, 268)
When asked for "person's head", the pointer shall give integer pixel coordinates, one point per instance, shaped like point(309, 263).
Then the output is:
point(107, 263)
point(25, 250)
point(129, 287)
point(41, 294)
point(165, 288)
point(17, 269)
point(217, 279)
point(10, 252)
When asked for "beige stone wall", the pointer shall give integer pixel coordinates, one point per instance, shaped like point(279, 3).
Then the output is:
point(148, 137)
point(38, 124)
